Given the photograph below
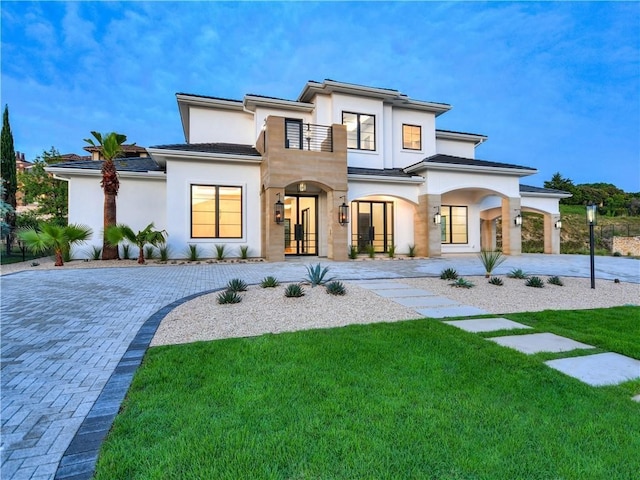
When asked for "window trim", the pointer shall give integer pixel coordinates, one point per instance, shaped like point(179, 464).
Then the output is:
point(419, 127)
point(359, 131)
point(217, 214)
point(450, 224)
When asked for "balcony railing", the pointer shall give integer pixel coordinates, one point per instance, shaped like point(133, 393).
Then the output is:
point(307, 136)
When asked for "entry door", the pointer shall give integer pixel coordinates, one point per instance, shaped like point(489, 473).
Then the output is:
point(300, 215)
point(373, 226)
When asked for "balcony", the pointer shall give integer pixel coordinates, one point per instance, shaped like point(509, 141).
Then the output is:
point(307, 136)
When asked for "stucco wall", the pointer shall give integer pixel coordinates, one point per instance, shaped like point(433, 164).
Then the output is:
point(457, 149)
point(224, 126)
point(403, 158)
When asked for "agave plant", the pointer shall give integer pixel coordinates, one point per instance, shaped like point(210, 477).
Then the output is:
point(448, 274)
point(336, 288)
point(535, 282)
point(244, 251)
point(412, 250)
point(221, 253)
point(496, 281)
point(517, 273)
point(555, 280)
point(294, 290)
point(269, 282)
point(229, 296)
point(491, 259)
point(462, 283)
point(237, 285)
point(316, 275)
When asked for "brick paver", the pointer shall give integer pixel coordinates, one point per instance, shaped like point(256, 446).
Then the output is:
point(65, 331)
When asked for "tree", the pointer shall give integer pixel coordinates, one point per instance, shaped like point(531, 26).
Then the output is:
point(111, 147)
point(51, 195)
point(5, 209)
point(117, 233)
point(49, 236)
point(558, 182)
point(8, 167)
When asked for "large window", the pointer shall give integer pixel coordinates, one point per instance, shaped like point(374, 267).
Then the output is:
point(361, 130)
point(216, 211)
point(454, 224)
point(412, 137)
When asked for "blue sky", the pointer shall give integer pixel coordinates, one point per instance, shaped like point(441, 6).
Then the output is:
point(555, 86)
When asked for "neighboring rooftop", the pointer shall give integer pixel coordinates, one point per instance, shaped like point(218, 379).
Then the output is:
point(550, 191)
point(222, 148)
point(134, 164)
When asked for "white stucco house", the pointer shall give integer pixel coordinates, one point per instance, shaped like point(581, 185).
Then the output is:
point(342, 165)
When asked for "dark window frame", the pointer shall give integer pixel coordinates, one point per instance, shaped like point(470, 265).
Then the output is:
point(217, 211)
point(448, 224)
point(359, 131)
point(404, 146)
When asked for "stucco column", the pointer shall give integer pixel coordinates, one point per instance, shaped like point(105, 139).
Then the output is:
point(488, 234)
point(511, 233)
point(551, 233)
point(272, 233)
point(427, 237)
point(337, 235)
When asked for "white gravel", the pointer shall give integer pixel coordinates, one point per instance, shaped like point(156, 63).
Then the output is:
point(269, 311)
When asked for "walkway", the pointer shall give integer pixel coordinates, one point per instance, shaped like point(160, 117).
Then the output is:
point(64, 331)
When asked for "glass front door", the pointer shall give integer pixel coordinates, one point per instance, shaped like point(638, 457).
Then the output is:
point(372, 225)
point(300, 225)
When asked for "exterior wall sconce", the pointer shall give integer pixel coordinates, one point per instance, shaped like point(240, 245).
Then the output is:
point(302, 187)
point(558, 225)
point(437, 218)
point(343, 212)
point(591, 221)
point(518, 220)
point(278, 211)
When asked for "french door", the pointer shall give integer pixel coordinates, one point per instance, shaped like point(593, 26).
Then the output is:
point(372, 225)
point(301, 225)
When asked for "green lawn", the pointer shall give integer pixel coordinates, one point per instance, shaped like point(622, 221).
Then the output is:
point(416, 399)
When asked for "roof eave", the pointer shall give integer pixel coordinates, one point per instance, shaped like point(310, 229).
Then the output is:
point(252, 101)
point(161, 153)
point(520, 172)
point(357, 177)
point(477, 139)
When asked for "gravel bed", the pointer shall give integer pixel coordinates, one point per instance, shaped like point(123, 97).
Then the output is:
point(269, 311)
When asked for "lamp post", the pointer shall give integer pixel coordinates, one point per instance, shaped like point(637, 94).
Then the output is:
point(591, 221)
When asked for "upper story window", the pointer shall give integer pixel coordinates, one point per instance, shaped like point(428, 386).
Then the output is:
point(361, 130)
point(216, 211)
point(293, 133)
point(411, 137)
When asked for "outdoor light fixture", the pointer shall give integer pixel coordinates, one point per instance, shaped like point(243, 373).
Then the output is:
point(343, 212)
point(278, 211)
point(591, 221)
point(518, 220)
point(437, 218)
point(302, 187)
point(558, 224)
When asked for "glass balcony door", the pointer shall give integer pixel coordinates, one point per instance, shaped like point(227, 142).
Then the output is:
point(301, 225)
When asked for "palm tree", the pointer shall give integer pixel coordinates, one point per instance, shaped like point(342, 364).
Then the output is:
point(117, 233)
point(49, 236)
point(111, 147)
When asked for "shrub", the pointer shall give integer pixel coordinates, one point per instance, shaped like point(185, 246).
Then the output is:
point(269, 282)
point(336, 288)
point(517, 273)
point(491, 259)
point(496, 281)
point(237, 285)
point(371, 251)
point(412, 250)
point(244, 251)
point(164, 252)
point(448, 274)
point(149, 252)
point(229, 296)
point(555, 280)
point(220, 252)
point(193, 253)
point(294, 290)
point(462, 283)
point(353, 252)
point(316, 275)
point(95, 252)
point(391, 251)
point(126, 251)
point(617, 254)
point(535, 282)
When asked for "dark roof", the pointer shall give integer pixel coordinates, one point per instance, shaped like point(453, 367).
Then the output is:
point(360, 85)
point(459, 133)
point(384, 172)
point(471, 162)
point(271, 98)
point(209, 96)
point(224, 148)
point(134, 164)
point(530, 189)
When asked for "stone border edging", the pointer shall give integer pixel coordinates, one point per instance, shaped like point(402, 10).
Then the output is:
point(79, 459)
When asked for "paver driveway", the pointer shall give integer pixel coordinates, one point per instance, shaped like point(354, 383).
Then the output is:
point(65, 330)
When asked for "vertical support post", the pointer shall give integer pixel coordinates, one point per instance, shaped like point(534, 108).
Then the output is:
point(592, 256)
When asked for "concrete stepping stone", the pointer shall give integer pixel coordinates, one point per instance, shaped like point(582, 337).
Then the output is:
point(486, 324)
point(599, 369)
point(539, 342)
point(424, 301)
point(401, 292)
point(451, 311)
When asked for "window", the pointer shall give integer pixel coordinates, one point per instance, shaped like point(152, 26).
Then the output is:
point(453, 224)
point(216, 211)
point(361, 130)
point(412, 137)
point(293, 132)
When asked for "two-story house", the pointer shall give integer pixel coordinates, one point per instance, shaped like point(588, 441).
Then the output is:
point(342, 166)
